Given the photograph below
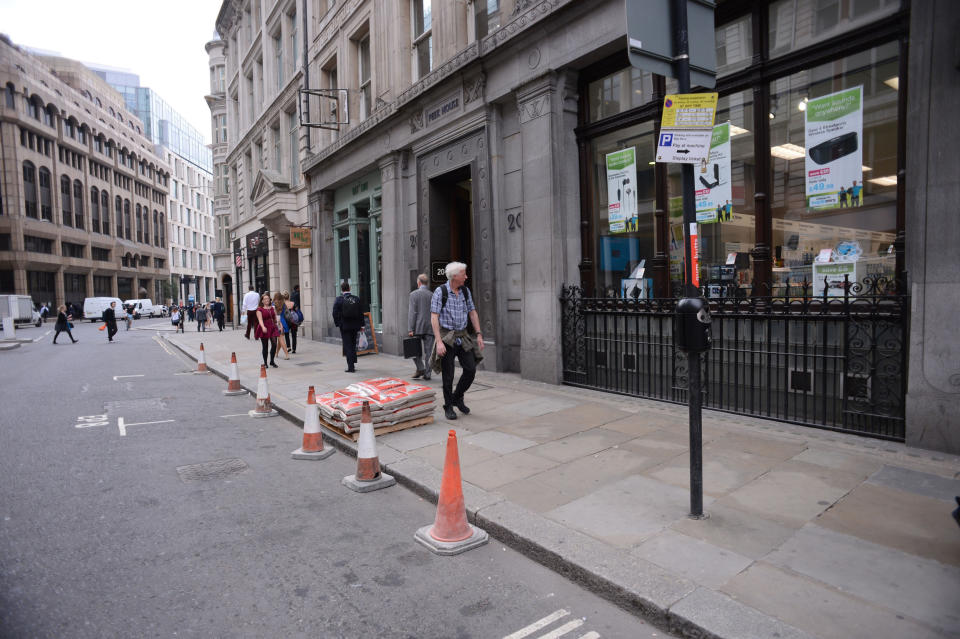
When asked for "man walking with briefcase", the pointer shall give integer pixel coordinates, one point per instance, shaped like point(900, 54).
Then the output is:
point(418, 317)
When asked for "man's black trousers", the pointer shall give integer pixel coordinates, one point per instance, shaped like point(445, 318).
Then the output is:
point(469, 365)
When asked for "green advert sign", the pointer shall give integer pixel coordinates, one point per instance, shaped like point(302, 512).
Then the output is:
point(721, 133)
point(620, 159)
point(833, 106)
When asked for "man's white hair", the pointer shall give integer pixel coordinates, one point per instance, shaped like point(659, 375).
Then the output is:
point(455, 267)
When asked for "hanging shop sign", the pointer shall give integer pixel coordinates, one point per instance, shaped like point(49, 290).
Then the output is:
point(686, 128)
point(834, 158)
point(714, 192)
point(622, 190)
point(300, 237)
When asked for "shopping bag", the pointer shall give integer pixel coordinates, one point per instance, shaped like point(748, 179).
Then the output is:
point(412, 347)
point(362, 343)
point(102, 327)
point(243, 319)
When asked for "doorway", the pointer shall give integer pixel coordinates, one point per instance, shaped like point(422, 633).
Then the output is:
point(451, 222)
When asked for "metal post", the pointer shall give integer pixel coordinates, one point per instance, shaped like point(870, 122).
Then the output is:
point(682, 66)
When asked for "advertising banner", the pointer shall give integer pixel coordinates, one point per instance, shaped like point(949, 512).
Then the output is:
point(622, 190)
point(714, 192)
point(834, 160)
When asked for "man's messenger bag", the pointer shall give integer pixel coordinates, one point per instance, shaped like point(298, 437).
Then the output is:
point(412, 347)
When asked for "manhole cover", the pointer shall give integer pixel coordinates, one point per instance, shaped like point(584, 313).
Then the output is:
point(130, 406)
point(216, 469)
point(308, 364)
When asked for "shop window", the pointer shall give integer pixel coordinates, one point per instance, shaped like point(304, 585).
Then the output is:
point(623, 203)
point(734, 45)
point(796, 24)
point(835, 194)
point(724, 188)
point(619, 92)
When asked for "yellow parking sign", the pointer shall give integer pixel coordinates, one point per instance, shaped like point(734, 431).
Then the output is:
point(689, 111)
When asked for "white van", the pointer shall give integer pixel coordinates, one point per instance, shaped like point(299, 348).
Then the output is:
point(143, 308)
point(93, 308)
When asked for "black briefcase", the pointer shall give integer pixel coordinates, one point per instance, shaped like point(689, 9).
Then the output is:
point(412, 347)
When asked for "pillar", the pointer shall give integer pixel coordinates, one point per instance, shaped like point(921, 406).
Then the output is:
point(398, 256)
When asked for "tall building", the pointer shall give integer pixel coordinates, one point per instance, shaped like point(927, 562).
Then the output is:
point(516, 137)
point(191, 226)
point(83, 194)
point(260, 182)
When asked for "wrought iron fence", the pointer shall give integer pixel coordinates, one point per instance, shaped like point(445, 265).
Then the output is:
point(835, 362)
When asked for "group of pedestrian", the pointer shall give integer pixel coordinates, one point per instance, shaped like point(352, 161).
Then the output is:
point(271, 318)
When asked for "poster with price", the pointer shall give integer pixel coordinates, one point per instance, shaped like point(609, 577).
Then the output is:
point(622, 191)
point(834, 154)
point(713, 190)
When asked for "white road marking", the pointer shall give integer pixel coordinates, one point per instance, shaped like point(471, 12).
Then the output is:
point(562, 630)
point(117, 378)
point(42, 336)
point(237, 415)
point(89, 421)
point(123, 427)
point(590, 635)
point(537, 625)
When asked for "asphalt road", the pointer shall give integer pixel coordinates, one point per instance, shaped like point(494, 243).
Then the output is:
point(193, 521)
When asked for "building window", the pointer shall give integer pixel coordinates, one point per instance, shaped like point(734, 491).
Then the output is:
point(278, 59)
point(33, 244)
point(294, 150)
point(118, 207)
point(78, 204)
point(46, 208)
point(48, 116)
point(65, 209)
point(796, 25)
point(32, 109)
point(100, 254)
point(487, 18)
point(163, 233)
point(30, 189)
point(363, 67)
point(422, 38)
point(105, 212)
point(156, 227)
point(69, 249)
point(292, 31)
point(139, 223)
point(277, 148)
point(102, 285)
point(126, 219)
point(10, 95)
point(94, 209)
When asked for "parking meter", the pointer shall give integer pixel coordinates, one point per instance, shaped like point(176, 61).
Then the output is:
point(691, 325)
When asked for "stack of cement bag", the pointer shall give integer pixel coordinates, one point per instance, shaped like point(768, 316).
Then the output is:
point(391, 400)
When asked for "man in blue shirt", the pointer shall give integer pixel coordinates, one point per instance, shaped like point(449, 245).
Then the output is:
point(449, 320)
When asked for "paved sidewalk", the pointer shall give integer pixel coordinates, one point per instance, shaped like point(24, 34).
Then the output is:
point(810, 533)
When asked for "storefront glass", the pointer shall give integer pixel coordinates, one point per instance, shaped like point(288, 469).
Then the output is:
point(618, 92)
point(625, 225)
point(796, 24)
point(856, 212)
point(356, 223)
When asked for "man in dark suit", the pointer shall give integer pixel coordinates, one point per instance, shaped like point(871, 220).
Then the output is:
point(418, 318)
point(348, 317)
point(110, 319)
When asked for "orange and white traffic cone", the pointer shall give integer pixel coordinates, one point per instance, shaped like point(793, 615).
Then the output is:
point(233, 384)
point(202, 362)
point(312, 437)
point(451, 533)
point(368, 477)
point(263, 408)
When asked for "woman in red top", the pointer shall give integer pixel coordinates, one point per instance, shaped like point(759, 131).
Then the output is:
point(267, 331)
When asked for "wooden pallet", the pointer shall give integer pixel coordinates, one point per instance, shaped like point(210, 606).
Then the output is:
point(379, 430)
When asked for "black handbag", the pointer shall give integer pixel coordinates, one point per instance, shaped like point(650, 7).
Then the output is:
point(412, 347)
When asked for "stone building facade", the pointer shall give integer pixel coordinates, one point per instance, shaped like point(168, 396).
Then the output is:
point(84, 196)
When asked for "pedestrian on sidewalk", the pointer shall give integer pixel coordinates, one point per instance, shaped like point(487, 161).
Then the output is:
point(44, 312)
point(249, 306)
point(291, 322)
point(110, 319)
point(452, 314)
point(129, 316)
point(202, 318)
point(418, 318)
point(63, 324)
point(278, 308)
point(267, 330)
point(191, 310)
point(218, 313)
point(348, 317)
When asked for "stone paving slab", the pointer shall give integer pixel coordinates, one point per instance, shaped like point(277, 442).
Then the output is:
point(812, 533)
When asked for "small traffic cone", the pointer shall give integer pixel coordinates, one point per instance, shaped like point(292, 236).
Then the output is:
point(368, 475)
point(312, 437)
point(202, 362)
point(233, 385)
point(451, 533)
point(263, 408)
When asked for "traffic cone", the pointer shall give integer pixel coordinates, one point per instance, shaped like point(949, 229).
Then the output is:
point(312, 437)
point(368, 475)
point(263, 408)
point(202, 362)
point(233, 385)
point(451, 533)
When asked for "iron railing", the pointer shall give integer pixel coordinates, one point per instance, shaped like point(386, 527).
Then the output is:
point(830, 362)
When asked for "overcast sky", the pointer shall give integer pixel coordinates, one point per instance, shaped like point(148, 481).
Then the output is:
point(162, 42)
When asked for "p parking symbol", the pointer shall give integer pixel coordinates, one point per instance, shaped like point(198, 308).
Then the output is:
point(666, 139)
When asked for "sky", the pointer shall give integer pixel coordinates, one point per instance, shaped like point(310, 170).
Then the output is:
point(162, 42)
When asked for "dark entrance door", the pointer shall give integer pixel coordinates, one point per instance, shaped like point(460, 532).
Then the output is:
point(451, 220)
point(228, 298)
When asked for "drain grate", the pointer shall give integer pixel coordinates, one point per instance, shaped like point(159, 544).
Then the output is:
point(308, 364)
point(216, 469)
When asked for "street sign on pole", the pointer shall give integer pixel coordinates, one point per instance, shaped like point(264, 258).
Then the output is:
point(686, 128)
point(650, 45)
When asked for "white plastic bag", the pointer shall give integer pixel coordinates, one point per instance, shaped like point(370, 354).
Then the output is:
point(243, 320)
point(362, 343)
